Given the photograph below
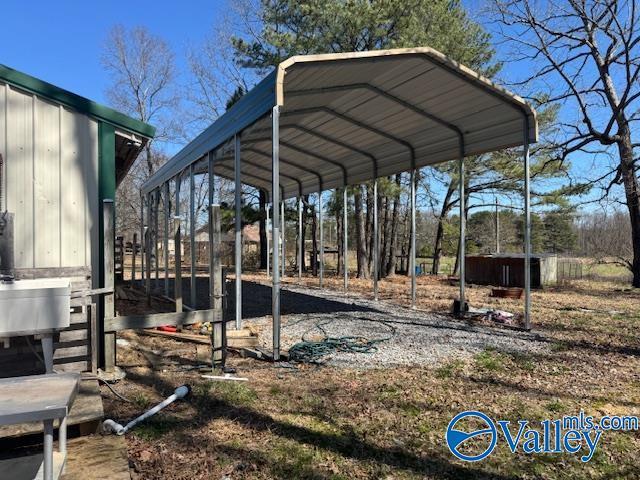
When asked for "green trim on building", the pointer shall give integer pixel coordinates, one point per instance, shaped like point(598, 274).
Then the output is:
point(106, 182)
point(76, 102)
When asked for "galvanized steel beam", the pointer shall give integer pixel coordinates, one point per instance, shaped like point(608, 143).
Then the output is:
point(321, 273)
point(376, 240)
point(275, 286)
point(413, 238)
point(527, 229)
point(345, 239)
point(300, 239)
point(192, 236)
point(463, 233)
point(238, 230)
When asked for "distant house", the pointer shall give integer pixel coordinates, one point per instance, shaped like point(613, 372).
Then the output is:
point(250, 239)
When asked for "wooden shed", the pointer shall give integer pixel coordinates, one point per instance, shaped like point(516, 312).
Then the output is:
point(507, 270)
point(62, 156)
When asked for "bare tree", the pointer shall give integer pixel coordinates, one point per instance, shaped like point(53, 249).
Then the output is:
point(606, 237)
point(586, 54)
point(142, 69)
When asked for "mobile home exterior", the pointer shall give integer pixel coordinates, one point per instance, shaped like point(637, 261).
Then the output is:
point(62, 156)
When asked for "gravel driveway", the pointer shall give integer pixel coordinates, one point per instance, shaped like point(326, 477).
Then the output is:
point(414, 337)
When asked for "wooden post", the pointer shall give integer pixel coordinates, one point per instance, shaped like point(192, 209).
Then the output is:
point(155, 237)
point(177, 242)
point(147, 248)
point(165, 247)
point(95, 341)
point(218, 325)
point(109, 280)
point(133, 258)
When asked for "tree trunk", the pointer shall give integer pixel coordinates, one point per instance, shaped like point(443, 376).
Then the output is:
point(384, 236)
point(393, 244)
point(466, 216)
point(149, 158)
point(361, 241)
point(632, 194)
point(369, 227)
point(263, 229)
point(446, 208)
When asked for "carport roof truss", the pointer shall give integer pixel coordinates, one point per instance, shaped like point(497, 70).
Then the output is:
point(347, 118)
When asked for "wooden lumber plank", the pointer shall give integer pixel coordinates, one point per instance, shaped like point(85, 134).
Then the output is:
point(71, 272)
point(240, 338)
point(138, 322)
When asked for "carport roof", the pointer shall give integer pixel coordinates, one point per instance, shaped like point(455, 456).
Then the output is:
point(347, 118)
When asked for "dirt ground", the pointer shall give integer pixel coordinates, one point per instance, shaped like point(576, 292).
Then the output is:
point(308, 421)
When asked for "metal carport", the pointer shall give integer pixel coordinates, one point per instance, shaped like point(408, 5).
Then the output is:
point(319, 122)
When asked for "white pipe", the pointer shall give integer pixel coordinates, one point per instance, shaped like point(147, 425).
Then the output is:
point(226, 376)
point(111, 426)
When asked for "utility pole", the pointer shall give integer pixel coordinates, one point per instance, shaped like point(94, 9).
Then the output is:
point(497, 219)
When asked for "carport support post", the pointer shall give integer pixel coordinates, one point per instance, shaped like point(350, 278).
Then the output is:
point(156, 230)
point(238, 230)
point(527, 232)
point(142, 245)
point(463, 233)
point(192, 236)
point(166, 239)
point(345, 239)
point(321, 273)
point(282, 223)
point(300, 239)
point(267, 208)
point(177, 248)
point(412, 262)
point(275, 192)
point(147, 247)
point(376, 240)
point(210, 185)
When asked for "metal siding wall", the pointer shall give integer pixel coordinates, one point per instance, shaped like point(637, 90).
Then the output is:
point(20, 174)
point(47, 184)
point(4, 91)
point(92, 205)
point(73, 194)
point(51, 167)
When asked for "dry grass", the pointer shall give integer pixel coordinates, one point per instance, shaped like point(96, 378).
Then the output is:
point(390, 423)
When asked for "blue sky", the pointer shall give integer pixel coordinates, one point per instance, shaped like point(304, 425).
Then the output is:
point(62, 42)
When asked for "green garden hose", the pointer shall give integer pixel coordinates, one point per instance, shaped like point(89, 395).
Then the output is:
point(312, 351)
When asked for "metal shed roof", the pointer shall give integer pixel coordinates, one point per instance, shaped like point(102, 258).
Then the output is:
point(349, 117)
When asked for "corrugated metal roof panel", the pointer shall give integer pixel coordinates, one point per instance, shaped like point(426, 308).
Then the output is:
point(346, 113)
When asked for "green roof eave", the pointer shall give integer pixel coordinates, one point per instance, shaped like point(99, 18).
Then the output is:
point(76, 102)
